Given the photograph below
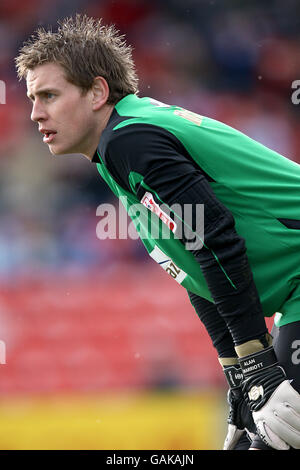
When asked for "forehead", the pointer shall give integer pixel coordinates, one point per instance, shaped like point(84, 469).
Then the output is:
point(47, 76)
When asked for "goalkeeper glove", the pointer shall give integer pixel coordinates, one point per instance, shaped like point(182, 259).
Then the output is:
point(274, 403)
point(240, 418)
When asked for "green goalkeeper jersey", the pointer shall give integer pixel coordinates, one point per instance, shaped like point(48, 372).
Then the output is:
point(259, 187)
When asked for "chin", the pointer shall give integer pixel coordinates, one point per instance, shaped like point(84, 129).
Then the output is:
point(58, 151)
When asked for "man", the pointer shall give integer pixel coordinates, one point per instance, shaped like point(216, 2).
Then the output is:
point(83, 87)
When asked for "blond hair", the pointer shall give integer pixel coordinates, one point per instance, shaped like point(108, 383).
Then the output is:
point(85, 49)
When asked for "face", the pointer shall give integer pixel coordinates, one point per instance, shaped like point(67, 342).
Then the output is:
point(65, 116)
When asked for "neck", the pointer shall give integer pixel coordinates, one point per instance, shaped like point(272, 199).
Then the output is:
point(103, 119)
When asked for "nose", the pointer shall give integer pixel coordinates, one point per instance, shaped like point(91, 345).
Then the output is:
point(38, 112)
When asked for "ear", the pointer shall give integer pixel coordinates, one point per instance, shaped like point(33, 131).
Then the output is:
point(100, 93)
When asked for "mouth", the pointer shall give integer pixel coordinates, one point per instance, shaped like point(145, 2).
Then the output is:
point(48, 135)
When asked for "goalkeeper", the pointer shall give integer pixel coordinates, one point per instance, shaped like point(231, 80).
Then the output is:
point(161, 158)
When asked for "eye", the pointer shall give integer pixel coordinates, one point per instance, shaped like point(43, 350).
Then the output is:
point(47, 95)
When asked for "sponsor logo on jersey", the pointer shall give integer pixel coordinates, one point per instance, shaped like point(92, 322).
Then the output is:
point(168, 264)
point(149, 202)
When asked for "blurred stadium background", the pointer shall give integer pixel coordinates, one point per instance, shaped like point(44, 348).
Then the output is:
point(102, 349)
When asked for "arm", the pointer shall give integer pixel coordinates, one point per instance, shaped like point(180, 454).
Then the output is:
point(241, 428)
point(176, 179)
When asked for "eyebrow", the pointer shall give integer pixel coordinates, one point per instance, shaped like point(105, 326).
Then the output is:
point(43, 91)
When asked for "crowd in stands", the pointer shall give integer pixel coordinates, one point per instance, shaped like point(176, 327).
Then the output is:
point(232, 61)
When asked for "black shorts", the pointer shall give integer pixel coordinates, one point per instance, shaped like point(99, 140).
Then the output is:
point(286, 342)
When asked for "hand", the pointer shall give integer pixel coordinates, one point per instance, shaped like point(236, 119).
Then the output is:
point(275, 405)
point(240, 417)
point(278, 422)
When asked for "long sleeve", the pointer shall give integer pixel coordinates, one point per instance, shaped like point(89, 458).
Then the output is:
point(214, 325)
point(176, 179)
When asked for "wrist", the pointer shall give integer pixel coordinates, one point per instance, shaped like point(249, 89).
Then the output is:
point(254, 345)
point(232, 371)
point(256, 355)
point(261, 371)
point(258, 361)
